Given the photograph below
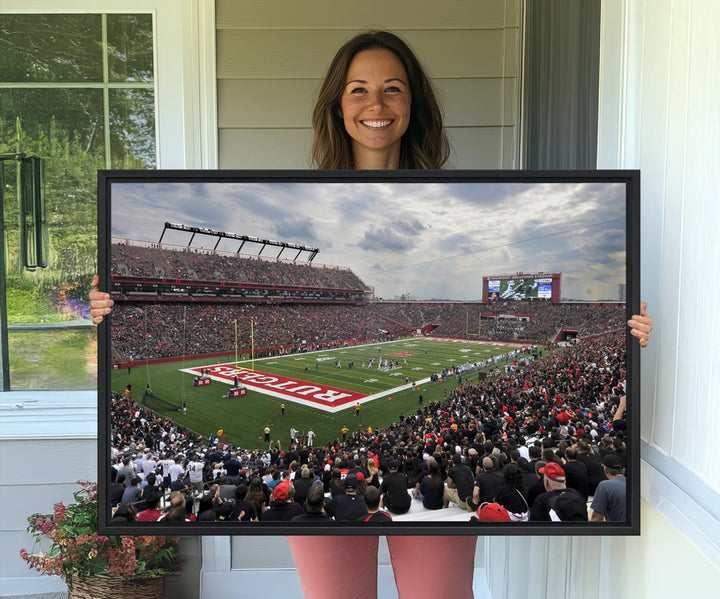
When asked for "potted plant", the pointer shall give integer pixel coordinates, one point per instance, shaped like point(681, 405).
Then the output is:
point(67, 544)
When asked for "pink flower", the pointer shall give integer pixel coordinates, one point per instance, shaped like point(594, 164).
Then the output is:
point(53, 565)
point(128, 543)
point(59, 512)
point(72, 554)
point(121, 562)
point(43, 526)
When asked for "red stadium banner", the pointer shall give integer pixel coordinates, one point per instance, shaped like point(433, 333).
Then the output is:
point(315, 394)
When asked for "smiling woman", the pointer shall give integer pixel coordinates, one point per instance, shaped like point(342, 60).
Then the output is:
point(375, 108)
point(364, 104)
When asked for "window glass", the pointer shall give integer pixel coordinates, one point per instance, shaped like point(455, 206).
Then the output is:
point(132, 128)
point(37, 48)
point(57, 103)
point(130, 45)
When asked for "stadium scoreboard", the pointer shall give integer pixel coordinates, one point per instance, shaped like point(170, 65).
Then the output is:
point(522, 286)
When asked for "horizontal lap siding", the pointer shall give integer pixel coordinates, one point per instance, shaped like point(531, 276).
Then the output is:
point(271, 58)
point(306, 54)
point(344, 14)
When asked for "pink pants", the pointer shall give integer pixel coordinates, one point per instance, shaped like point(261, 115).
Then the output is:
point(331, 567)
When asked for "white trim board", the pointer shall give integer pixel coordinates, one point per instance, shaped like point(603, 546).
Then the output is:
point(683, 498)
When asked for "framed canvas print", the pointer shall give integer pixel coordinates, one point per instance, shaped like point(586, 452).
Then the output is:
point(388, 352)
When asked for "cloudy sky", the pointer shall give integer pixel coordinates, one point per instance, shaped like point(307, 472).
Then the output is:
point(431, 240)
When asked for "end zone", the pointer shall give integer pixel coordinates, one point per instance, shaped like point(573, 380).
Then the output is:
point(315, 395)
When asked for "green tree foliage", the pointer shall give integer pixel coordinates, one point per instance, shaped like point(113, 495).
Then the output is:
point(66, 127)
point(70, 193)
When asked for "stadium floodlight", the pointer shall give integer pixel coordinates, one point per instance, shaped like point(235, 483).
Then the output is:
point(283, 245)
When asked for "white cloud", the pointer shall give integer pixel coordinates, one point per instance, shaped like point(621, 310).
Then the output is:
point(433, 240)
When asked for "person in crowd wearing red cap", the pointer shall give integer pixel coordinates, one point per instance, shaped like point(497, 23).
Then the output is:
point(492, 512)
point(283, 507)
point(609, 501)
point(554, 481)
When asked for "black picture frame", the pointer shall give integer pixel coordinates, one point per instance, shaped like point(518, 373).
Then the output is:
point(110, 183)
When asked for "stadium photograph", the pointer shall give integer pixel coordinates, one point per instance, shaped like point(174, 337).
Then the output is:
point(370, 351)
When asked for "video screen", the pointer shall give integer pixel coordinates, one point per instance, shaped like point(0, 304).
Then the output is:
point(520, 289)
point(314, 353)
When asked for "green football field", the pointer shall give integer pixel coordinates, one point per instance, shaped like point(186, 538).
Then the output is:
point(243, 419)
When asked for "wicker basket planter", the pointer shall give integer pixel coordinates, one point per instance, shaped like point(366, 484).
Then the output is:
point(116, 587)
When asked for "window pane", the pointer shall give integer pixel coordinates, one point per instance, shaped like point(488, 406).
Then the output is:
point(56, 359)
point(130, 47)
point(50, 48)
point(132, 128)
point(49, 117)
point(65, 128)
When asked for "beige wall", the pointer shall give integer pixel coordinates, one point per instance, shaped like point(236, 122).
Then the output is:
point(271, 57)
point(660, 563)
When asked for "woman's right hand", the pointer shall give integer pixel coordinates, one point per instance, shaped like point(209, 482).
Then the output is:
point(100, 302)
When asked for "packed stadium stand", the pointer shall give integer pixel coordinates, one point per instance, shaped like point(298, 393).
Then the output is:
point(565, 406)
point(294, 302)
point(169, 329)
point(149, 261)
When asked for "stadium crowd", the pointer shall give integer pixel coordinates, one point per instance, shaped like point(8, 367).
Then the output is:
point(154, 331)
point(543, 439)
point(536, 440)
point(532, 321)
point(191, 264)
point(148, 330)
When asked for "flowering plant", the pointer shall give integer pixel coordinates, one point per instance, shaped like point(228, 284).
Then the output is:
point(77, 550)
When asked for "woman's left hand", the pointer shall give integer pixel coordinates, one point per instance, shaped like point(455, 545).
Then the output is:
point(641, 325)
point(100, 302)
